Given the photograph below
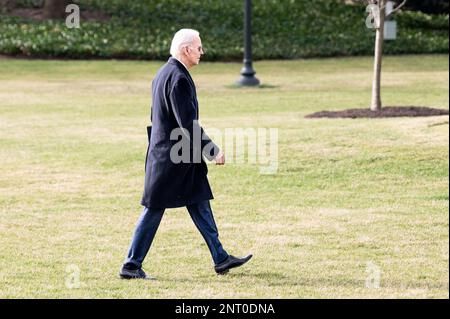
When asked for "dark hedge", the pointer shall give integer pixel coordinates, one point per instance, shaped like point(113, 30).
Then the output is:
point(281, 29)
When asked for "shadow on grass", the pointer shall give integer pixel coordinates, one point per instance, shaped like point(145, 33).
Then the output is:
point(277, 279)
point(262, 86)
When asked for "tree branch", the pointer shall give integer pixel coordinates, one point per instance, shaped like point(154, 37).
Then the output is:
point(398, 8)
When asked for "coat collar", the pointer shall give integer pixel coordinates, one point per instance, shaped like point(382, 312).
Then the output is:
point(180, 66)
point(184, 65)
point(174, 61)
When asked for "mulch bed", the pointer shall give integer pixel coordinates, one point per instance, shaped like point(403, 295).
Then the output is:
point(388, 111)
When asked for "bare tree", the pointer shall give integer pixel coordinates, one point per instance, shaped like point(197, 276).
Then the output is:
point(55, 9)
point(377, 11)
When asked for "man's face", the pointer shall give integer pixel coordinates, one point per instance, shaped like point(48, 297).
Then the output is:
point(194, 52)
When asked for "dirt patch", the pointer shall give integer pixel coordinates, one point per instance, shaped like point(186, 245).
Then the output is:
point(31, 14)
point(388, 111)
point(38, 13)
point(5, 3)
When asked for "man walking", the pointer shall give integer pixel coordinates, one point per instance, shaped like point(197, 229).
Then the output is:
point(169, 181)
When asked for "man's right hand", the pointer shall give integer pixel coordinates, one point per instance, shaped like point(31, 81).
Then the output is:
point(220, 158)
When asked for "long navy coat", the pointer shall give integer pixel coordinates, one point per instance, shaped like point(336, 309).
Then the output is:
point(175, 105)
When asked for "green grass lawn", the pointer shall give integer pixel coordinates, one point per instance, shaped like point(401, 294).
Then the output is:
point(348, 193)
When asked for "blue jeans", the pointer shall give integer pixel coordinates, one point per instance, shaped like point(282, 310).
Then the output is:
point(149, 221)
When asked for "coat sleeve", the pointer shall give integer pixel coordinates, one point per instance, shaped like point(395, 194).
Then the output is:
point(186, 116)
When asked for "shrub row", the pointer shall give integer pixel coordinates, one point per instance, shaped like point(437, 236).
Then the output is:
point(281, 29)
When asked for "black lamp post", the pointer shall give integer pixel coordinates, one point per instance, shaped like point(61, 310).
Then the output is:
point(247, 73)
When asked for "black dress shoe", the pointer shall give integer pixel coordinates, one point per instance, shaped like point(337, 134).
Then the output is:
point(230, 262)
point(126, 273)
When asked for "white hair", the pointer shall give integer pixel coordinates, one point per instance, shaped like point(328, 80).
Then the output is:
point(181, 39)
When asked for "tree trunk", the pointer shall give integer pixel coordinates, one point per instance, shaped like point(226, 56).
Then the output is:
point(376, 86)
point(55, 9)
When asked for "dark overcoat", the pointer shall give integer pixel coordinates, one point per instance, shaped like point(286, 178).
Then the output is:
point(170, 184)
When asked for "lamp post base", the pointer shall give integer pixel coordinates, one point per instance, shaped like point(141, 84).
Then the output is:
point(248, 77)
point(248, 80)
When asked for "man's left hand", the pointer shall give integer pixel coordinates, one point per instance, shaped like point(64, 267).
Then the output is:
point(220, 158)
